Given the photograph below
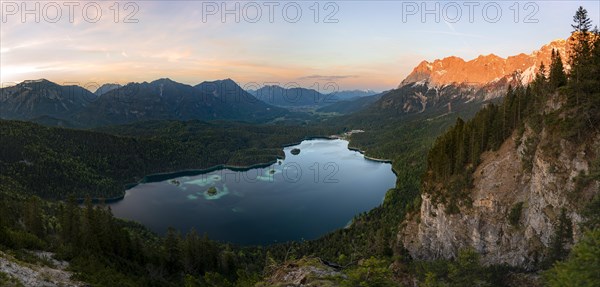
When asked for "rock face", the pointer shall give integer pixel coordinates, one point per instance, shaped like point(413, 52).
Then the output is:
point(485, 69)
point(453, 84)
point(538, 171)
point(305, 272)
point(26, 274)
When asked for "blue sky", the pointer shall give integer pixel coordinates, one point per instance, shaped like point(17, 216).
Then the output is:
point(373, 45)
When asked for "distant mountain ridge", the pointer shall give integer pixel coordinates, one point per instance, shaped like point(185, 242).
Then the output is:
point(352, 94)
point(351, 105)
point(38, 98)
point(304, 97)
point(49, 103)
point(242, 105)
point(290, 97)
point(106, 88)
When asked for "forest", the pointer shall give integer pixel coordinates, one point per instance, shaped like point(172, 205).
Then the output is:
point(101, 163)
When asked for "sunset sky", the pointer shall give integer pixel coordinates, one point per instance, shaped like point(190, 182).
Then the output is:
point(371, 46)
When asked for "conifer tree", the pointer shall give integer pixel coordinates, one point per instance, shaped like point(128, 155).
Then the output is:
point(33, 216)
point(581, 47)
point(557, 77)
point(540, 83)
point(172, 245)
point(563, 235)
point(582, 21)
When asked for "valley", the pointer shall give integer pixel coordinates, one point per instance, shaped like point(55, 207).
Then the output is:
point(481, 172)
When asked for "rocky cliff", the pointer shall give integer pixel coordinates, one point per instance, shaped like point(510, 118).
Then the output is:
point(535, 169)
point(447, 85)
point(485, 69)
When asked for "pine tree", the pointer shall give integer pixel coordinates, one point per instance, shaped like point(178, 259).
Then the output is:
point(33, 216)
point(581, 46)
point(581, 269)
point(89, 226)
point(192, 253)
point(557, 77)
point(582, 22)
point(172, 245)
point(541, 74)
point(540, 86)
point(70, 221)
point(584, 79)
point(563, 235)
point(594, 99)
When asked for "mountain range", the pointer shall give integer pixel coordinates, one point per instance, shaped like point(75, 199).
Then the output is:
point(42, 98)
point(441, 86)
point(448, 84)
point(49, 103)
point(484, 70)
point(303, 97)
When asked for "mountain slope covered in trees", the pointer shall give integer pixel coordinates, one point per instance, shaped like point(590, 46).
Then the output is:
point(513, 183)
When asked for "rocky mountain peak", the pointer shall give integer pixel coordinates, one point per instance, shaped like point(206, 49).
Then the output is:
point(484, 69)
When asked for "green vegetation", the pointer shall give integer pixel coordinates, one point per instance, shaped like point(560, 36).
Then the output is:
point(563, 236)
point(455, 155)
point(371, 272)
point(9, 281)
point(212, 190)
point(54, 163)
point(581, 268)
point(514, 216)
point(466, 270)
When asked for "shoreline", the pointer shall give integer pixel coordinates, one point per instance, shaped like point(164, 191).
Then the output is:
point(156, 177)
point(368, 157)
point(192, 172)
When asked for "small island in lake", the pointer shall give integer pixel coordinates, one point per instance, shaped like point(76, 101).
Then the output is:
point(175, 182)
point(295, 151)
point(272, 171)
point(212, 191)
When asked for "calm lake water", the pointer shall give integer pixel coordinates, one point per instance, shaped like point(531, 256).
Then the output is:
point(302, 197)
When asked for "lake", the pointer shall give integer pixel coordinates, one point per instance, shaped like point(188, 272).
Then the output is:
point(300, 197)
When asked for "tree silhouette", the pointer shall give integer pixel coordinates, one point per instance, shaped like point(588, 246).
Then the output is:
point(582, 22)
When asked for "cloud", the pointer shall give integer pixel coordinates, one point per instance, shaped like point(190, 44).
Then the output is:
point(328, 78)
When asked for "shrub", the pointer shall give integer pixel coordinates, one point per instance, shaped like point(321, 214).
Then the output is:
point(515, 214)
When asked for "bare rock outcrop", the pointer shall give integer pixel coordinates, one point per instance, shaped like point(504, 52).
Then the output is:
point(534, 170)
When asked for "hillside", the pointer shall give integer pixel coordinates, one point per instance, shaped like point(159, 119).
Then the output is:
point(291, 97)
point(351, 105)
point(514, 182)
point(99, 163)
point(534, 174)
point(241, 105)
point(39, 98)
